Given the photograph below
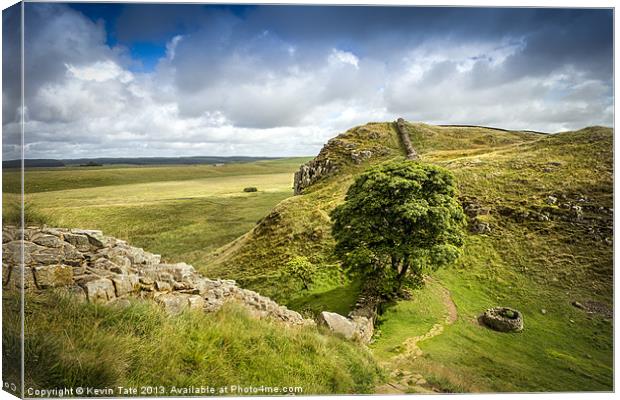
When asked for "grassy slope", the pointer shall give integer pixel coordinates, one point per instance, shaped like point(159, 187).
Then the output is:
point(300, 225)
point(71, 344)
point(528, 264)
point(531, 265)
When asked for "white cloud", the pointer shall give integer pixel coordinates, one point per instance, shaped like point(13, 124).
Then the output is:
point(260, 94)
point(100, 71)
point(343, 57)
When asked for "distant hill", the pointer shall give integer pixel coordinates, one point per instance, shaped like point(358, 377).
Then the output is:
point(47, 163)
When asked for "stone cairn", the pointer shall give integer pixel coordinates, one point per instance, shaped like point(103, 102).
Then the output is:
point(103, 269)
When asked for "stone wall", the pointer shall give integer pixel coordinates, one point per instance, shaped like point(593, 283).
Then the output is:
point(406, 141)
point(104, 269)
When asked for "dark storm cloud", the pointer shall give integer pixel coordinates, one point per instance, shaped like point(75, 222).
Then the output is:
point(280, 80)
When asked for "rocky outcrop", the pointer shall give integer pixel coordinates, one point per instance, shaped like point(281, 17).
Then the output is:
point(405, 140)
point(103, 269)
point(353, 147)
point(311, 172)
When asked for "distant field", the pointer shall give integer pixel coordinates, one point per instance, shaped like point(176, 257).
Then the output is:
point(182, 212)
point(66, 178)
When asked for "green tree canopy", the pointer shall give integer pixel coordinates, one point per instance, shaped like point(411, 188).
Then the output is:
point(400, 220)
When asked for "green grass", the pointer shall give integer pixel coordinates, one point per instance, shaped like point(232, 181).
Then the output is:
point(339, 299)
point(72, 344)
point(63, 178)
point(407, 319)
point(523, 263)
point(205, 218)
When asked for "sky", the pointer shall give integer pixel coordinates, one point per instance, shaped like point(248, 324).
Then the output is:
point(125, 80)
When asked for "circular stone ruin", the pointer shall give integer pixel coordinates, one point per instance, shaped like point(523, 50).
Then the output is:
point(503, 319)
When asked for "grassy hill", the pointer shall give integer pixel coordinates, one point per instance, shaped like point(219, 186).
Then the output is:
point(545, 205)
point(540, 209)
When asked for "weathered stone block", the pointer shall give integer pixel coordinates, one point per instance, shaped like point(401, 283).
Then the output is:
point(124, 284)
point(47, 256)
point(172, 303)
point(80, 242)
point(195, 302)
point(100, 290)
point(146, 280)
point(338, 324)
point(49, 276)
point(11, 277)
point(95, 238)
point(157, 274)
point(71, 255)
point(9, 234)
point(12, 252)
point(163, 286)
point(139, 256)
point(121, 261)
point(78, 293)
point(364, 328)
point(108, 265)
point(180, 272)
point(46, 240)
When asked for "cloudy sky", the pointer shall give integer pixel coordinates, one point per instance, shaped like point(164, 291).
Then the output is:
point(178, 80)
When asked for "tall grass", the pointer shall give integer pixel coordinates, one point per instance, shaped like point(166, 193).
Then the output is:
point(71, 344)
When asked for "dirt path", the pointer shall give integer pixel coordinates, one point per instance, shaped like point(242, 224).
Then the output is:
point(403, 380)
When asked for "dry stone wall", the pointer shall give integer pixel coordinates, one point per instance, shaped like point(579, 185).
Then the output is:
point(404, 138)
point(103, 269)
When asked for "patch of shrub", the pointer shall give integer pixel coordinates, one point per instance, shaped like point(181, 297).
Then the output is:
point(250, 189)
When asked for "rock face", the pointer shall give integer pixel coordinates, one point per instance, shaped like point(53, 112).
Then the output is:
point(503, 319)
point(103, 269)
point(338, 324)
point(311, 172)
point(353, 147)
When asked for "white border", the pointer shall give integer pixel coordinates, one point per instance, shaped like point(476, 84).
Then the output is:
point(475, 3)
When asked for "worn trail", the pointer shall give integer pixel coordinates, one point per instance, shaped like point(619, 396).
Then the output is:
point(403, 380)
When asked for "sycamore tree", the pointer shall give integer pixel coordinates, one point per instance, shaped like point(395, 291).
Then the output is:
point(400, 221)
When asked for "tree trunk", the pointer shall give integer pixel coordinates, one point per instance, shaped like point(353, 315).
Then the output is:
point(402, 273)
